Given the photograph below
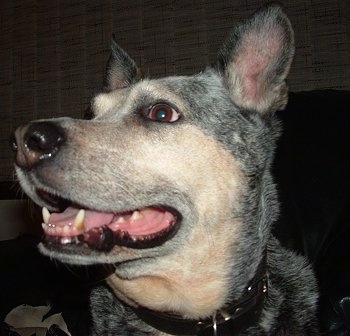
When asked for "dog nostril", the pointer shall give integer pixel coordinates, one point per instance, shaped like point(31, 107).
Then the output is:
point(43, 138)
point(36, 142)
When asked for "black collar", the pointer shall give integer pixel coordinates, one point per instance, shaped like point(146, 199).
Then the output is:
point(237, 317)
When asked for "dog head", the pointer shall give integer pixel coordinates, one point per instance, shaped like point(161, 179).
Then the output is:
point(169, 181)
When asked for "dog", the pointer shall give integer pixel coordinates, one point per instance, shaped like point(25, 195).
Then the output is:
point(169, 183)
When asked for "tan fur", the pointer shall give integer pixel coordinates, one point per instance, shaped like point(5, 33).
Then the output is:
point(171, 282)
point(105, 102)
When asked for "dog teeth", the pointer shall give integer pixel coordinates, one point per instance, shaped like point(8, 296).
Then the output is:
point(79, 220)
point(46, 215)
point(66, 240)
point(136, 215)
point(120, 220)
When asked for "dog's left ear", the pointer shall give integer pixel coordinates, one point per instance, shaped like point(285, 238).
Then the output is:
point(121, 70)
point(256, 58)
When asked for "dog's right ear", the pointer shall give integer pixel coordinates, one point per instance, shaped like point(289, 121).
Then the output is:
point(121, 70)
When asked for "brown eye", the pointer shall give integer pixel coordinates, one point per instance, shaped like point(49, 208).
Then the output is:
point(163, 113)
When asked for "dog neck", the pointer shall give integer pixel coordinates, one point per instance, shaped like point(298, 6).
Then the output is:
point(234, 318)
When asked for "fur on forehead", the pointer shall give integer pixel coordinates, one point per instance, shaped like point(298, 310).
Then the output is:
point(189, 94)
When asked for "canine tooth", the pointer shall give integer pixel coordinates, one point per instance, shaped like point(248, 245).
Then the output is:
point(136, 215)
point(121, 219)
point(79, 220)
point(46, 215)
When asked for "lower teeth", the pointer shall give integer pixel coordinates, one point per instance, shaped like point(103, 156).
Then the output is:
point(66, 240)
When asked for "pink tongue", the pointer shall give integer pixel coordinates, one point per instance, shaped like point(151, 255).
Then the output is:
point(149, 221)
point(92, 218)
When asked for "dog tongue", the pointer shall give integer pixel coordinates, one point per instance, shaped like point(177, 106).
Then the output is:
point(91, 218)
point(142, 222)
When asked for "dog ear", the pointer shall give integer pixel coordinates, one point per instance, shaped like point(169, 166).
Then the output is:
point(256, 58)
point(121, 70)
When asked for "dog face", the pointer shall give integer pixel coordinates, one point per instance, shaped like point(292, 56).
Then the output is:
point(172, 174)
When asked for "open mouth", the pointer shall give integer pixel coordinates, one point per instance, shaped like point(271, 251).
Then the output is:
point(140, 228)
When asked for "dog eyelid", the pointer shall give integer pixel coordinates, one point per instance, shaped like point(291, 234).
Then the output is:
point(162, 112)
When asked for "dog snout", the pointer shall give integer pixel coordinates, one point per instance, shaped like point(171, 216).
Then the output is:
point(36, 142)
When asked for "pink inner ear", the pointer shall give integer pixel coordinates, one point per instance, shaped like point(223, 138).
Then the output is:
point(256, 56)
point(251, 70)
point(116, 81)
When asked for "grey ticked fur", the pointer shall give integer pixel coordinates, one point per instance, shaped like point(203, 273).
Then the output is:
point(226, 134)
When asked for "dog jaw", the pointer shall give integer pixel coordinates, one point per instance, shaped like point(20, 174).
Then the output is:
point(192, 283)
point(195, 279)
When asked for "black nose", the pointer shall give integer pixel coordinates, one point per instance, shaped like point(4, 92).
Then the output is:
point(36, 142)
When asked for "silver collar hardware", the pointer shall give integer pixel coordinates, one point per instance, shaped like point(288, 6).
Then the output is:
point(233, 320)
